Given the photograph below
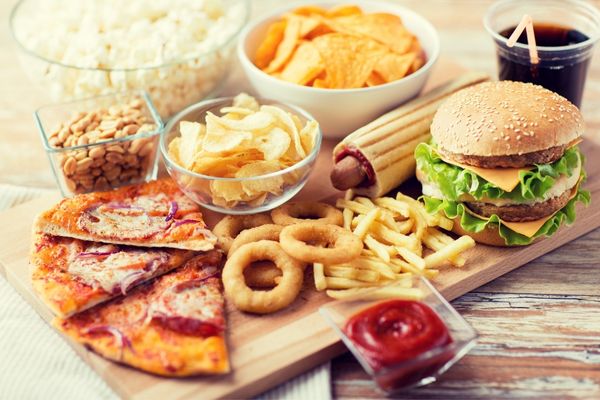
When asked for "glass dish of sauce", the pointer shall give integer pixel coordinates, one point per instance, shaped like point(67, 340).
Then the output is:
point(402, 343)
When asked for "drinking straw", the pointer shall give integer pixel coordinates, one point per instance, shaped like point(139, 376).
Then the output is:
point(525, 24)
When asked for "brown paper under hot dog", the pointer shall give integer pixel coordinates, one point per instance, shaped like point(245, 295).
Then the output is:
point(379, 156)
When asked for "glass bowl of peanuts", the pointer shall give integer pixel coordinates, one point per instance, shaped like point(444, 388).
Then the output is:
point(101, 143)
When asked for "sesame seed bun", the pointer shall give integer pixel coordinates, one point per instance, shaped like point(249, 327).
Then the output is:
point(505, 118)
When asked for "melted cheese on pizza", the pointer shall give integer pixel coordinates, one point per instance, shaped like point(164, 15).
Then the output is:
point(115, 271)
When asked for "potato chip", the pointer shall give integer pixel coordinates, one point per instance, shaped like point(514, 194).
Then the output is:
point(288, 124)
point(191, 133)
point(235, 112)
point(227, 190)
point(253, 122)
point(287, 45)
point(268, 48)
point(273, 144)
point(348, 60)
point(258, 201)
point(225, 165)
point(243, 100)
point(247, 141)
point(308, 136)
point(304, 65)
point(218, 138)
point(394, 66)
point(264, 185)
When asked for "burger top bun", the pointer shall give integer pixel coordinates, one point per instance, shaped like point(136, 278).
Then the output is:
point(505, 118)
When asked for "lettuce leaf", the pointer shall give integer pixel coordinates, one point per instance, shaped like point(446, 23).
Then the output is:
point(472, 223)
point(454, 181)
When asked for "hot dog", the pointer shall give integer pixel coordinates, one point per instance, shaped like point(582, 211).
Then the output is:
point(379, 156)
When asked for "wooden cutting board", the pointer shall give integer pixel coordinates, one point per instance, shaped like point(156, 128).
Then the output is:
point(267, 350)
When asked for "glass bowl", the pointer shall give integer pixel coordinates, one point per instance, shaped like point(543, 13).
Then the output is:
point(107, 164)
point(198, 186)
point(424, 368)
point(65, 69)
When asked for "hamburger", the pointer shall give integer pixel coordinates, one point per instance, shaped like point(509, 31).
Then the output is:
point(503, 162)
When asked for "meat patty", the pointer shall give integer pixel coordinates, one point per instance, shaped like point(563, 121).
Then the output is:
point(510, 161)
point(521, 212)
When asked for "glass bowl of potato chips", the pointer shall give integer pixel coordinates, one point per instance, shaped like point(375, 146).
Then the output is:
point(345, 63)
point(241, 155)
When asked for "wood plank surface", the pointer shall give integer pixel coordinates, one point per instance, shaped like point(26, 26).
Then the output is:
point(571, 271)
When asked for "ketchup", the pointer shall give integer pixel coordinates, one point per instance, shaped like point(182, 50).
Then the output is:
point(394, 332)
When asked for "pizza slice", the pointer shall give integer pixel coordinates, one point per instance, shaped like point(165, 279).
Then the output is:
point(153, 214)
point(71, 275)
point(172, 326)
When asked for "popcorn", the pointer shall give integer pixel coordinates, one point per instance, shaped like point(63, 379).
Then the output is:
point(178, 50)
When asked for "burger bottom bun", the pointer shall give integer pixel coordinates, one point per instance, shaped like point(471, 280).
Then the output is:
point(490, 235)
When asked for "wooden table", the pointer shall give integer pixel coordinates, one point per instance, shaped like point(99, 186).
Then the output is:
point(539, 326)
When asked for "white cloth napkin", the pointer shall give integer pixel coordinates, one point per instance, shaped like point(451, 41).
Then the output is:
point(35, 362)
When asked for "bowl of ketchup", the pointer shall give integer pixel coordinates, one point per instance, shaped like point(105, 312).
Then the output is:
point(402, 342)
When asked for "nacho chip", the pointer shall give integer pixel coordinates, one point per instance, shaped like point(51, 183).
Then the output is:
point(394, 66)
point(307, 24)
point(287, 45)
point(304, 65)
point(309, 10)
point(320, 83)
point(348, 59)
point(375, 79)
point(343, 11)
point(347, 63)
point(384, 28)
point(268, 48)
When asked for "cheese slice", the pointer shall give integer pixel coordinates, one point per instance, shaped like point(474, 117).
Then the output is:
point(505, 178)
point(528, 228)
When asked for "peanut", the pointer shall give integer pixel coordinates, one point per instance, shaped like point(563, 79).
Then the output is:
point(146, 150)
point(97, 152)
point(116, 148)
point(99, 166)
point(70, 166)
point(84, 164)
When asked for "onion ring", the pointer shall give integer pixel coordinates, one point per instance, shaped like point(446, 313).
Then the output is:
point(263, 232)
point(335, 245)
point(262, 302)
point(229, 227)
point(262, 274)
point(302, 211)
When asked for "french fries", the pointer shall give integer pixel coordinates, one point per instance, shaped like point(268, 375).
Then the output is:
point(401, 240)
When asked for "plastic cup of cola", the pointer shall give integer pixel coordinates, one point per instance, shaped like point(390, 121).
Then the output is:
point(565, 32)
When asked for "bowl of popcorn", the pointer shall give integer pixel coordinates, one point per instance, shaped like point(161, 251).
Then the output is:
point(345, 63)
point(179, 51)
point(241, 155)
point(101, 143)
